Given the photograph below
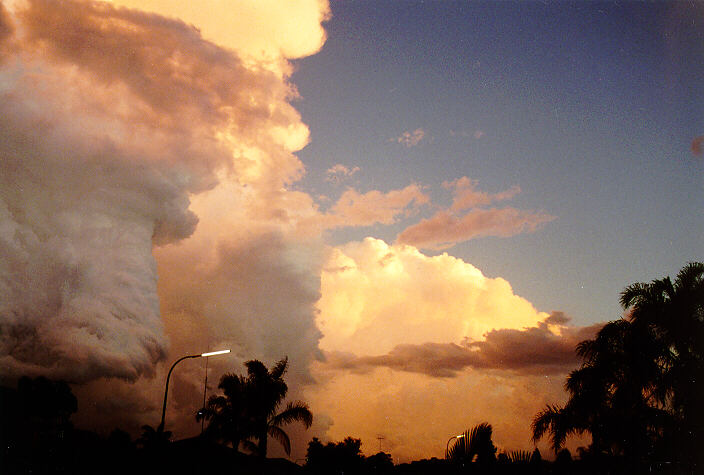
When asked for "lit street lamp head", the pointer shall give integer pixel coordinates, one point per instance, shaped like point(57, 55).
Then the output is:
point(213, 353)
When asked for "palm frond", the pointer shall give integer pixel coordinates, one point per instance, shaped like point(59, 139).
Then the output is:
point(278, 433)
point(256, 369)
point(279, 369)
point(296, 411)
point(519, 456)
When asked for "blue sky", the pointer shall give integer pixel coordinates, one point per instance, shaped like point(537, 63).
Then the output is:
point(590, 108)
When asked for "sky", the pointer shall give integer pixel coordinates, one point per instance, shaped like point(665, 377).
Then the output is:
point(424, 205)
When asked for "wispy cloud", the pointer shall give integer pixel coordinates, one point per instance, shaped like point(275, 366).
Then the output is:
point(365, 209)
point(411, 139)
point(450, 226)
point(340, 172)
point(445, 229)
point(467, 196)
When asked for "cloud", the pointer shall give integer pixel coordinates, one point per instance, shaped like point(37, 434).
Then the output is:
point(6, 27)
point(411, 139)
point(264, 33)
point(340, 172)
point(415, 413)
point(112, 121)
point(365, 209)
point(375, 296)
point(444, 229)
point(537, 349)
point(450, 226)
point(467, 196)
point(405, 333)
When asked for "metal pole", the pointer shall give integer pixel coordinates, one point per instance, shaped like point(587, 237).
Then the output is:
point(205, 391)
point(166, 390)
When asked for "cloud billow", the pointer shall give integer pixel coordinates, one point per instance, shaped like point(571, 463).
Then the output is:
point(111, 121)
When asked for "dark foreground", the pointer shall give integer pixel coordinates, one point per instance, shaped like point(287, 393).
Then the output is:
point(87, 453)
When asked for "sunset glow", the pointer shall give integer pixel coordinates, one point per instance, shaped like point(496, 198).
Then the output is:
point(425, 206)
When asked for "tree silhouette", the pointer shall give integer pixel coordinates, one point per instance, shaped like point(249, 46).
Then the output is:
point(153, 439)
point(635, 385)
point(674, 313)
point(228, 420)
point(475, 446)
point(248, 411)
point(337, 457)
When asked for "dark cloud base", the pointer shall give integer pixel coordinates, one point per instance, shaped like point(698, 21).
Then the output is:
point(532, 350)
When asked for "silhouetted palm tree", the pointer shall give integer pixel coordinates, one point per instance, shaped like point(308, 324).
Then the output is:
point(674, 313)
point(266, 391)
point(475, 446)
point(227, 414)
point(612, 395)
point(635, 384)
point(247, 412)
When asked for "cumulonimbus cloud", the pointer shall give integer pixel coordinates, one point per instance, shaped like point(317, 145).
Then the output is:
point(111, 121)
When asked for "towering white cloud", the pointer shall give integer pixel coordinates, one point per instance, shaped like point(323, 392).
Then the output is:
point(111, 121)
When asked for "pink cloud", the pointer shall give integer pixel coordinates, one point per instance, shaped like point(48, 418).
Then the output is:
point(467, 196)
point(445, 229)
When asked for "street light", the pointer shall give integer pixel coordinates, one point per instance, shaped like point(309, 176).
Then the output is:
point(166, 390)
point(447, 447)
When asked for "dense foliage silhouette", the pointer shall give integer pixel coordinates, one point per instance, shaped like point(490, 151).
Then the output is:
point(475, 448)
point(639, 389)
point(248, 412)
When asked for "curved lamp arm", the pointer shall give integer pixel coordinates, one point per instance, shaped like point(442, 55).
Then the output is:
point(166, 390)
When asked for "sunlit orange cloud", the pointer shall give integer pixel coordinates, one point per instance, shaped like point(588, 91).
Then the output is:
point(364, 209)
point(381, 300)
point(263, 32)
point(376, 296)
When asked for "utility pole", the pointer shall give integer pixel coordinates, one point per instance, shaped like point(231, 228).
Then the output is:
point(380, 438)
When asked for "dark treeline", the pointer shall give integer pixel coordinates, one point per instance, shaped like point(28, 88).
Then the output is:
point(639, 394)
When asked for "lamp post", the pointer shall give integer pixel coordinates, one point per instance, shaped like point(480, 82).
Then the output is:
point(166, 390)
point(447, 447)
